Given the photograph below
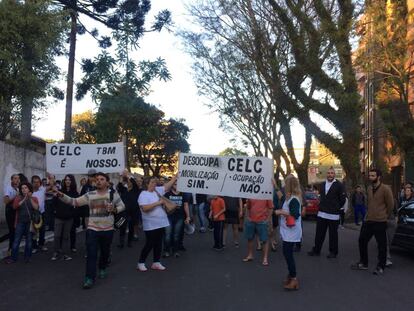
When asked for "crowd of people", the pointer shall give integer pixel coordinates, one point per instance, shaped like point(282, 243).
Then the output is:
point(104, 209)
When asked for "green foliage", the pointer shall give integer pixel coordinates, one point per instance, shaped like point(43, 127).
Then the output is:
point(153, 142)
point(31, 36)
point(106, 73)
point(84, 128)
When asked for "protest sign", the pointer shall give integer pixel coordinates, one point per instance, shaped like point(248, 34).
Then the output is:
point(234, 176)
point(79, 158)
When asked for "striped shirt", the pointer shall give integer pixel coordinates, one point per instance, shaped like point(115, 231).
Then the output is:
point(99, 218)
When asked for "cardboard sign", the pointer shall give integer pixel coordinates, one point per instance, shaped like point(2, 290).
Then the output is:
point(234, 176)
point(80, 158)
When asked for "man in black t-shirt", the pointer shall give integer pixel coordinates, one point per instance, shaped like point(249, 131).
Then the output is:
point(177, 219)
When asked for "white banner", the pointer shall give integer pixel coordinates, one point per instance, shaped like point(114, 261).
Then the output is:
point(234, 176)
point(79, 158)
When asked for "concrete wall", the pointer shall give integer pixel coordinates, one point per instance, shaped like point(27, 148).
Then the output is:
point(15, 159)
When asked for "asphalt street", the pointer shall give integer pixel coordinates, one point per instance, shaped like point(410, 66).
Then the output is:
point(204, 279)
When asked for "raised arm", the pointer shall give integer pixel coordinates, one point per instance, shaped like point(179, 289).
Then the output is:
point(76, 202)
point(169, 184)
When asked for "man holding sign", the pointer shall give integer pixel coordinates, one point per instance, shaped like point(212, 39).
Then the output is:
point(102, 207)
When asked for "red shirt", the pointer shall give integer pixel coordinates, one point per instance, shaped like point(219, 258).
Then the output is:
point(217, 205)
point(259, 210)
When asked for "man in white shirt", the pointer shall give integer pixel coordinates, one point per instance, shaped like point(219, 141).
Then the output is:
point(10, 192)
point(40, 193)
point(332, 198)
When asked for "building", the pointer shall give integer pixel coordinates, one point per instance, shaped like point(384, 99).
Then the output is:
point(321, 159)
point(377, 149)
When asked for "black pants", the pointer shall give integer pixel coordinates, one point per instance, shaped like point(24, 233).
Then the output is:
point(97, 241)
point(322, 226)
point(49, 214)
point(130, 224)
point(290, 260)
point(342, 217)
point(218, 233)
point(10, 219)
point(153, 242)
point(379, 230)
point(75, 225)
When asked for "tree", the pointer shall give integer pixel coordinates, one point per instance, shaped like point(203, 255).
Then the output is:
point(84, 128)
point(159, 153)
point(112, 14)
point(386, 56)
point(30, 39)
point(301, 50)
point(152, 141)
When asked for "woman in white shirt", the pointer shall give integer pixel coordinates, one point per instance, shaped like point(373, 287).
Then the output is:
point(291, 227)
point(154, 220)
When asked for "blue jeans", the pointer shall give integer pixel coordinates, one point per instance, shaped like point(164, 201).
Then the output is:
point(22, 229)
point(359, 209)
point(202, 217)
point(95, 241)
point(173, 233)
point(290, 260)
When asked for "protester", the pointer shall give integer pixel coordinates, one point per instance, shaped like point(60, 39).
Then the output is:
point(138, 223)
point(380, 207)
point(129, 192)
point(64, 215)
point(217, 215)
point(332, 198)
point(40, 193)
point(176, 219)
point(188, 200)
point(24, 205)
point(258, 214)
point(234, 210)
point(89, 186)
point(278, 201)
point(10, 192)
point(50, 203)
point(358, 204)
point(201, 200)
point(100, 228)
point(291, 228)
point(154, 220)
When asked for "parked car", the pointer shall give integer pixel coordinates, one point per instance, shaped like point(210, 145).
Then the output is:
point(312, 203)
point(404, 234)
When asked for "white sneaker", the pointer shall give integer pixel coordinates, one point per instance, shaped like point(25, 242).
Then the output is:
point(141, 267)
point(158, 266)
point(388, 264)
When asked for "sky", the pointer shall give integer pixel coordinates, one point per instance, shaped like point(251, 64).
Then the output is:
point(178, 97)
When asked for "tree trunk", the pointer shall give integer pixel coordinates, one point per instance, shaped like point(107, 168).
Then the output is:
point(26, 123)
point(302, 172)
point(71, 69)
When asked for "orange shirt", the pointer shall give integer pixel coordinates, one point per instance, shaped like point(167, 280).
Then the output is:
point(259, 210)
point(217, 205)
